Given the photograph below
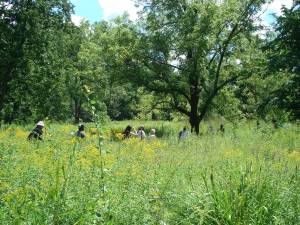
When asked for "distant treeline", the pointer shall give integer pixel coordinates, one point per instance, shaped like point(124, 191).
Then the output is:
point(180, 58)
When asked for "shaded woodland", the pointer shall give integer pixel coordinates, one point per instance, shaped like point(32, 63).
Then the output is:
point(191, 59)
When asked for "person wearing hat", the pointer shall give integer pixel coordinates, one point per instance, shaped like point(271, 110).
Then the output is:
point(37, 133)
point(80, 133)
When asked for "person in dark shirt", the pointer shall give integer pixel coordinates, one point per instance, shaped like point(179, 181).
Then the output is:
point(221, 129)
point(275, 123)
point(37, 133)
point(80, 133)
point(127, 132)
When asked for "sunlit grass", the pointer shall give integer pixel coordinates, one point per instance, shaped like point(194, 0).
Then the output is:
point(246, 176)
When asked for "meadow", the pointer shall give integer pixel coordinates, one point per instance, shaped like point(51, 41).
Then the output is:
point(247, 176)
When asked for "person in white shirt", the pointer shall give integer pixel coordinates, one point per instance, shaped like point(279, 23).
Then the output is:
point(152, 134)
point(141, 133)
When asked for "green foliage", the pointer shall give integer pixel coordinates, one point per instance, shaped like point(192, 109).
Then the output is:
point(31, 58)
point(284, 56)
point(55, 69)
point(188, 51)
point(192, 58)
point(247, 175)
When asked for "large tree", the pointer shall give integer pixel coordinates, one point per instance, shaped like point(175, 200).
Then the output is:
point(284, 61)
point(32, 56)
point(190, 50)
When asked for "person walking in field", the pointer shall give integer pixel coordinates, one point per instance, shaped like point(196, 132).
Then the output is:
point(183, 134)
point(37, 133)
point(221, 129)
point(127, 132)
point(141, 133)
point(80, 133)
point(152, 134)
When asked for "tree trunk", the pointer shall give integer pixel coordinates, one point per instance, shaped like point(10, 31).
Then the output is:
point(5, 79)
point(77, 109)
point(202, 114)
point(194, 117)
point(195, 124)
point(1, 101)
point(194, 92)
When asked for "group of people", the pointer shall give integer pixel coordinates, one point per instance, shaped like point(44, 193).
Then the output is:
point(37, 133)
point(140, 133)
point(129, 132)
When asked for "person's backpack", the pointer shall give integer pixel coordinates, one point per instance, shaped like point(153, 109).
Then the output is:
point(34, 135)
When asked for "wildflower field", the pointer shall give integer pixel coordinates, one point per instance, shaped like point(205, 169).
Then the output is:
point(248, 176)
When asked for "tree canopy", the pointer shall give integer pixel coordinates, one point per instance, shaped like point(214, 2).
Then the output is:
point(192, 58)
point(190, 50)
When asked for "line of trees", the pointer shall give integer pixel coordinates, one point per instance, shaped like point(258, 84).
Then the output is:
point(51, 68)
point(192, 58)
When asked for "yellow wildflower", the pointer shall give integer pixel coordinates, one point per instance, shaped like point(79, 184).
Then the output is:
point(20, 133)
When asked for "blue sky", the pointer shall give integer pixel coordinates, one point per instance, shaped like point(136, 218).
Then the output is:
point(97, 10)
point(89, 9)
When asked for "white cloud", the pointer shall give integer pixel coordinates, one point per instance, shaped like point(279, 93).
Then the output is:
point(276, 5)
point(114, 8)
point(274, 8)
point(266, 15)
point(77, 19)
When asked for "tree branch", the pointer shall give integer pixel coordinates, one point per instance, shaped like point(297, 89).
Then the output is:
point(227, 41)
point(235, 78)
point(178, 107)
point(164, 63)
point(169, 83)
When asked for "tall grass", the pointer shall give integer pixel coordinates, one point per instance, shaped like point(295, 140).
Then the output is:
point(249, 175)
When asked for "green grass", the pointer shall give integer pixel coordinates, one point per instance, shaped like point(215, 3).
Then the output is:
point(246, 176)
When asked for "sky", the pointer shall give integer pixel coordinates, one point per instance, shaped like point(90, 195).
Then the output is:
point(97, 10)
